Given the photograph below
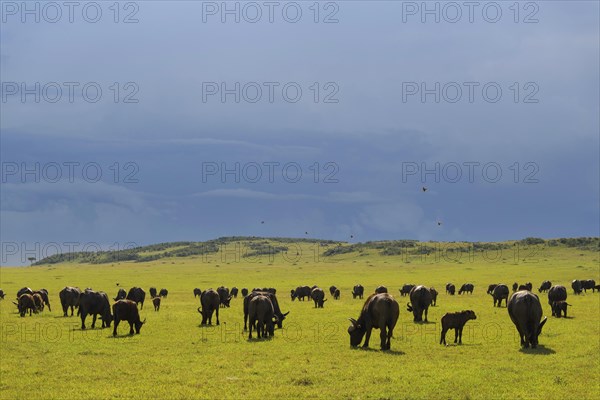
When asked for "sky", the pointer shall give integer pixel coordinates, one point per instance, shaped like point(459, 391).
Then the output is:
point(161, 121)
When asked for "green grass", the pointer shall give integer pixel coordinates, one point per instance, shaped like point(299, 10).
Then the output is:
point(174, 357)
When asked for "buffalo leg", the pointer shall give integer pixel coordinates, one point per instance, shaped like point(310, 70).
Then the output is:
point(251, 325)
point(459, 335)
point(367, 337)
point(455, 335)
point(83, 321)
point(425, 314)
point(383, 337)
point(218, 316)
point(94, 320)
point(131, 328)
point(116, 325)
point(443, 336)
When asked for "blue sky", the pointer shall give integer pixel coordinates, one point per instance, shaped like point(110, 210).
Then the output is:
point(365, 134)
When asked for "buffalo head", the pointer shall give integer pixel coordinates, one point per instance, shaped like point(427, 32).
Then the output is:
point(357, 332)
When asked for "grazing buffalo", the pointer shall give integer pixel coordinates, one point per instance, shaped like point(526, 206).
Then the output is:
point(557, 293)
point(210, 301)
point(234, 292)
point(156, 303)
point(24, 290)
point(420, 300)
point(279, 316)
point(300, 293)
point(545, 286)
point(525, 311)
point(380, 311)
point(358, 291)
point(381, 289)
point(261, 315)
point(336, 294)
point(332, 290)
point(466, 287)
point(491, 288)
point(597, 287)
point(153, 293)
point(244, 292)
point(126, 310)
point(163, 293)
point(224, 296)
point(94, 303)
point(270, 290)
point(39, 302)
point(69, 297)
point(138, 295)
point(434, 295)
point(318, 296)
point(515, 287)
point(26, 302)
point(44, 295)
point(121, 294)
point(456, 321)
point(197, 292)
point(406, 288)
point(1, 294)
point(500, 293)
point(588, 284)
point(558, 307)
point(576, 286)
point(450, 289)
point(527, 286)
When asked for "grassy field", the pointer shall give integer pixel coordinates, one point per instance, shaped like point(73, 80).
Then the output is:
point(174, 357)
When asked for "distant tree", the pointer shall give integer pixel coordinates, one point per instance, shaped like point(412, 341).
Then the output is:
point(31, 260)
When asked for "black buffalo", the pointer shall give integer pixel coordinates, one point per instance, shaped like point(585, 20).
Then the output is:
point(24, 290)
point(336, 294)
point(69, 297)
point(261, 315)
point(332, 290)
point(121, 294)
point(450, 289)
point(491, 288)
point(559, 307)
point(380, 311)
point(163, 293)
point(525, 311)
point(126, 310)
point(26, 302)
point(279, 316)
point(1, 294)
point(94, 303)
point(224, 296)
point(152, 292)
point(576, 286)
point(156, 303)
point(318, 296)
point(456, 321)
point(197, 292)
point(300, 293)
point(39, 302)
point(515, 287)
point(210, 301)
point(44, 295)
point(381, 289)
point(138, 295)
point(545, 286)
point(557, 293)
point(588, 284)
point(406, 288)
point(434, 295)
point(466, 287)
point(500, 293)
point(244, 292)
point(234, 292)
point(358, 291)
point(420, 300)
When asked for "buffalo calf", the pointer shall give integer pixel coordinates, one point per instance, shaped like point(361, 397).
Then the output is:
point(456, 321)
point(156, 303)
point(559, 307)
point(126, 310)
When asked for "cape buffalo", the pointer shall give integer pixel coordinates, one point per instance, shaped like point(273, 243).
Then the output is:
point(450, 289)
point(558, 307)
point(156, 303)
point(358, 291)
point(381, 289)
point(244, 292)
point(527, 286)
point(163, 293)
point(197, 292)
point(466, 287)
point(492, 287)
point(121, 294)
point(336, 294)
point(588, 284)
point(456, 321)
point(24, 290)
point(1, 294)
point(25, 303)
point(138, 295)
point(380, 311)
point(332, 290)
point(279, 316)
point(126, 310)
point(300, 293)
point(234, 292)
point(261, 314)
point(576, 286)
point(69, 297)
point(500, 293)
point(39, 302)
point(515, 287)
point(525, 311)
point(44, 295)
point(318, 296)
point(545, 286)
point(406, 288)
point(94, 303)
point(597, 287)
point(420, 300)
point(434, 295)
point(224, 296)
point(152, 291)
point(210, 301)
point(557, 293)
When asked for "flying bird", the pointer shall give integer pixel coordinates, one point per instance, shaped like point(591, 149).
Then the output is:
point(424, 189)
point(439, 223)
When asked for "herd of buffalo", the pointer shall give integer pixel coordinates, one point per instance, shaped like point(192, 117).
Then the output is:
point(262, 312)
